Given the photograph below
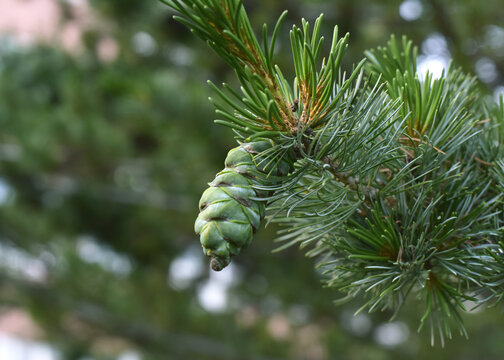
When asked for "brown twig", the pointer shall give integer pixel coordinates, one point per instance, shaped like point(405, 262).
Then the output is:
point(423, 142)
point(483, 121)
point(483, 161)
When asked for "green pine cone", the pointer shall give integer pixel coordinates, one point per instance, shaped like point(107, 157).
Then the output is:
point(229, 216)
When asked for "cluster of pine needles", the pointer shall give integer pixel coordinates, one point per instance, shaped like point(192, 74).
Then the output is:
point(396, 182)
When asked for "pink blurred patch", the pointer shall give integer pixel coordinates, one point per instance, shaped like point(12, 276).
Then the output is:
point(70, 36)
point(41, 21)
point(29, 20)
point(18, 323)
point(108, 49)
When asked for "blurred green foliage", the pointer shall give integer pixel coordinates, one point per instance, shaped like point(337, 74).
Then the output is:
point(103, 164)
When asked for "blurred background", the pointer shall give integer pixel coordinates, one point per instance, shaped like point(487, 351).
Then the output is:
point(106, 143)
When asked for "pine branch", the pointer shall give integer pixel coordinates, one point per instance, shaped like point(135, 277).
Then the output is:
point(224, 25)
point(436, 109)
point(392, 180)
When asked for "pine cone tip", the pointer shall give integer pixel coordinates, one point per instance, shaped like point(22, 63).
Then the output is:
point(217, 264)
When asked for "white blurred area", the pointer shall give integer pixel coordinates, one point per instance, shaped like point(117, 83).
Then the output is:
point(14, 348)
point(410, 10)
point(212, 292)
point(5, 192)
point(391, 334)
point(93, 252)
point(18, 338)
point(434, 57)
point(21, 339)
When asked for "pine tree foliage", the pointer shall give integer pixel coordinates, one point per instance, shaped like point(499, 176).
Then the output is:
point(395, 180)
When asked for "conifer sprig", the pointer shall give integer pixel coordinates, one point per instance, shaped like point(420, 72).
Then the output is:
point(318, 90)
point(265, 106)
point(436, 109)
point(224, 26)
point(393, 180)
point(340, 169)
